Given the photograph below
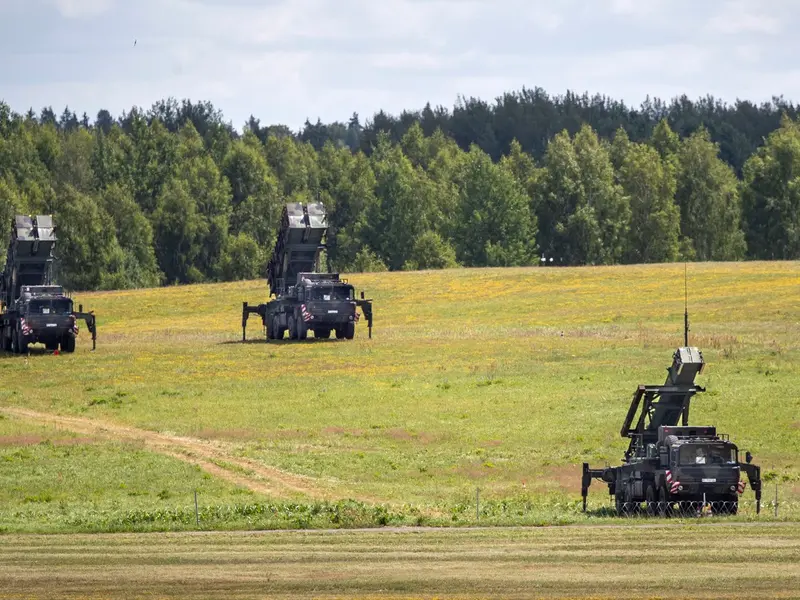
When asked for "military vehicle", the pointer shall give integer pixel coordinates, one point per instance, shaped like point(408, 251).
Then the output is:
point(672, 468)
point(306, 299)
point(32, 308)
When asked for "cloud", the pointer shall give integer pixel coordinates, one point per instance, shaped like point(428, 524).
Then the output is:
point(77, 9)
point(285, 60)
point(741, 16)
point(637, 8)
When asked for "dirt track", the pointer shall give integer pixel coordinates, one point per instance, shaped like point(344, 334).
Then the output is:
point(217, 458)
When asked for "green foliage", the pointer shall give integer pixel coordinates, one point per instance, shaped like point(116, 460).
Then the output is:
point(244, 258)
point(649, 182)
point(771, 195)
point(708, 196)
point(431, 252)
point(180, 197)
point(405, 208)
point(366, 261)
point(496, 226)
point(135, 236)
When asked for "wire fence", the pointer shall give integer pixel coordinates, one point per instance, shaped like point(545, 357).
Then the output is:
point(697, 508)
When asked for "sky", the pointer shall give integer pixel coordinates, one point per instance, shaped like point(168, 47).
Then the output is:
point(286, 61)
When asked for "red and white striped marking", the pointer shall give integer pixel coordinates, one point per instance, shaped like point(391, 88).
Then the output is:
point(24, 327)
point(307, 316)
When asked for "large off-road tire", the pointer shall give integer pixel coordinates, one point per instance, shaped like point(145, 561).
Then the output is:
point(302, 328)
point(68, 344)
point(22, 345)
point(14, 346)
point(350, 330)
point(632, 507)
point(340, 332)
point(292, 330)
point(664, 509)
point(619, 504)
point(277, 332)
point(651, 500)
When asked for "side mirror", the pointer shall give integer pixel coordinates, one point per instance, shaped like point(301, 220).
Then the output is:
point(748, 457)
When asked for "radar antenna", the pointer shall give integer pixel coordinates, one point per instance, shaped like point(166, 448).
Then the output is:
point(685, 307)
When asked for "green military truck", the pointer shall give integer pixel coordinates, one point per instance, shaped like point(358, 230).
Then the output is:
point(305, 299)
point(34, 310)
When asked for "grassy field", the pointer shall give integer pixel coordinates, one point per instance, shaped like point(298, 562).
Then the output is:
point(499, 379)
point(736, 561)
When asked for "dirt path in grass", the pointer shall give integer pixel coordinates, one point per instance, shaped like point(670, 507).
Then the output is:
point(214, 457)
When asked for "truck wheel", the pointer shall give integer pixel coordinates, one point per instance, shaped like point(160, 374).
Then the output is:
point(14, 348)
point(277, 332)
point(619, 504)
point(340, 333)
point(651, 502)
point(292, 331)
point(663, 503)
point(68, 344)
point(302, 329)
point(350, 330)
point(631, 506)
point(22, 345)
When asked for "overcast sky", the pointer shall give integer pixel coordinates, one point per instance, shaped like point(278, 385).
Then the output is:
point(288, 60)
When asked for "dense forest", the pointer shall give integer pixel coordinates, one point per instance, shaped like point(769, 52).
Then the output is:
point(175, 194)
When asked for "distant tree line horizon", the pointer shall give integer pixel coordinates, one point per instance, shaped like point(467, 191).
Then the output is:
point(174, 194)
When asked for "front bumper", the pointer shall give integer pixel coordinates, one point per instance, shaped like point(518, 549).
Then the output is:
point(337, 314)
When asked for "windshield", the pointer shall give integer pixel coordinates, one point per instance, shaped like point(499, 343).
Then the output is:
point(329, 292)
point(707, 454)
point(59, 306)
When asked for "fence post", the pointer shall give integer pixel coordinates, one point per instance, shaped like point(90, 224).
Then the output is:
point(776, 500)
point(196, 512)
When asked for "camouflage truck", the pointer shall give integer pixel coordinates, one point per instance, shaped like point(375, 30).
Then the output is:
point(306, 300)
point(670, 468)
point(33, 310)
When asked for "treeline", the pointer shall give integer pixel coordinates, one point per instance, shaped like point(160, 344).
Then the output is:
point(176, 195)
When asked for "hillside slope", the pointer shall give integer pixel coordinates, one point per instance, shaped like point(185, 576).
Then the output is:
point(502, 379)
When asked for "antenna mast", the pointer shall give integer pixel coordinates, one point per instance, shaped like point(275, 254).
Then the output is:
point(686, 308)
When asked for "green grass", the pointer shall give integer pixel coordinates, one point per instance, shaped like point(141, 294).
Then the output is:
point(499, 379)
point(736, 562)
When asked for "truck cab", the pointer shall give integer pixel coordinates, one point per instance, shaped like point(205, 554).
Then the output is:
point(46, 317)
point(328, 304)
point(699, 465)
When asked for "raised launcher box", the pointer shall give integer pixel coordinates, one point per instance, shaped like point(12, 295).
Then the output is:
point(687, 363)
